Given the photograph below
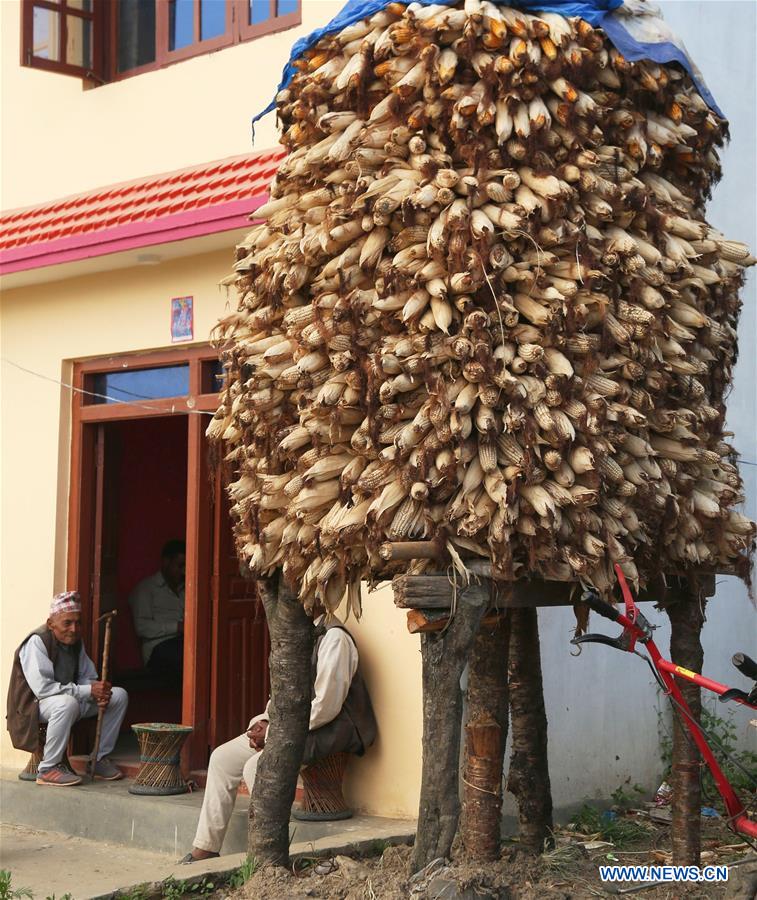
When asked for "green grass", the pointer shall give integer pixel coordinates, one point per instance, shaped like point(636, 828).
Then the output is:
point(620, 831)
point(8, 892)
point(244, 873)
point(627, 796)
point(138, 892)
point(724, 731)
point(173, 889)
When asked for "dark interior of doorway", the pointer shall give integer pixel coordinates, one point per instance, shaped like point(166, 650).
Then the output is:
point(145, 505)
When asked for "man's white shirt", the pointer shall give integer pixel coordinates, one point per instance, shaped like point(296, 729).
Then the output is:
point(335, 669)
point(157, 611)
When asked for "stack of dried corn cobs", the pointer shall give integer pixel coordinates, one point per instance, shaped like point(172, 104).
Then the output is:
point(485, 303)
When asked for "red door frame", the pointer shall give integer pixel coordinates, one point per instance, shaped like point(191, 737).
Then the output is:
point(85, 505)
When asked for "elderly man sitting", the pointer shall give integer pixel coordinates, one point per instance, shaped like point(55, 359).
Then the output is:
point(54, 681)
point(341, 721)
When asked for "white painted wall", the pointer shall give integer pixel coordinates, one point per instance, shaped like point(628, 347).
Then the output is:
point(602, 706)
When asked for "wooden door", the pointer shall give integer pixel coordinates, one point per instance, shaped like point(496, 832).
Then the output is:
point(239, 667)
point(103, 594)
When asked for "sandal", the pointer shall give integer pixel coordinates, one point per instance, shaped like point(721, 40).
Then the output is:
point(186, 860)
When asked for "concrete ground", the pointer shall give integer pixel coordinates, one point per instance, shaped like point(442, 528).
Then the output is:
point(50, 863)
point(90, 840)
point(107, 812)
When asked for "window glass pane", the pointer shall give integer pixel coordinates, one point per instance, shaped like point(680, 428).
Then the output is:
point(83, 5)
point(79, 42)
point(136, 33)
point(212, 18)
point(46, 34)
point(213, 376)
point(259, 11)
point(180, 23)
point(140, 384)
point(285, 7)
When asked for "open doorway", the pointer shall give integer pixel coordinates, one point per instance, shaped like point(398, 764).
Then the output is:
point(144, 506)
point(140, 476)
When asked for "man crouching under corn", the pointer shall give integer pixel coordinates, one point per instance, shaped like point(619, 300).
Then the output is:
point(54, 681)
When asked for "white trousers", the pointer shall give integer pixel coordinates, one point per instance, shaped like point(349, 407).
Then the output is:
point(228, 764)
point(62, 711)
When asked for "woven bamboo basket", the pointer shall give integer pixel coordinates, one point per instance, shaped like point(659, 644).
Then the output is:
point(323, 800)
point(160, 746)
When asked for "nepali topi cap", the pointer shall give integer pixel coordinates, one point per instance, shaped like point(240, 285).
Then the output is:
point(67, 601)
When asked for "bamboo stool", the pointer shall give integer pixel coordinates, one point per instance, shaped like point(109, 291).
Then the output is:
point(160, 746)
point(35, 757)
point(323, 800)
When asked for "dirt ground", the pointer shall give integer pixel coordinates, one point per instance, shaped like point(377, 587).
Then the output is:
point(569, 871)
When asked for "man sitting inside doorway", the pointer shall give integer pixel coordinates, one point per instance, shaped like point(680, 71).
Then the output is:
point(341, 721)
point(157, 605)
point(54, 681)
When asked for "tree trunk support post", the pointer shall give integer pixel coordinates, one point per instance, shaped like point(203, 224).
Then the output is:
point(292, 635)
point(528, 776)
point(685, 607)
point(485, 738)
point(444, 655)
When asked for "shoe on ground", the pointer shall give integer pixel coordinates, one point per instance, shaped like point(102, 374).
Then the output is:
point(106, 770)
point(58, 776)
point(186, 860)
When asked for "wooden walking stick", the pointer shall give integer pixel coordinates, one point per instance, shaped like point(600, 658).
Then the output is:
point(108, 616)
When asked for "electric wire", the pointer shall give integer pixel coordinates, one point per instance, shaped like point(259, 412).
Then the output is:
point(107, 397)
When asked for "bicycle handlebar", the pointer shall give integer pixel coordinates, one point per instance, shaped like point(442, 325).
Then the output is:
point(745, 665)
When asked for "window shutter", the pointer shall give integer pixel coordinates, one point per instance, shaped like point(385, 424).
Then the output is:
point(63, 36)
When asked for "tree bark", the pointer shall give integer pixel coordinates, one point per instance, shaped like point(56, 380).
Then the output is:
point(486, 735)
point(686, 613)
point(444, 655)
point(528, 777)
point(291, 631)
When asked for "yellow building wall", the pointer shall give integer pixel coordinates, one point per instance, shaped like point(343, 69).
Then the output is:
point(44, 328)
point(60, 137)
point(386, 781)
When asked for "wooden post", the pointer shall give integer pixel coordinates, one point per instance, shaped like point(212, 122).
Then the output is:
point(291, 631)
point(444, 655)
point(685, 608)
point(528, 777)
point(486, 735)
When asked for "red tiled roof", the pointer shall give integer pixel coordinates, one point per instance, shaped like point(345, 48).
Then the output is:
point(218, 196)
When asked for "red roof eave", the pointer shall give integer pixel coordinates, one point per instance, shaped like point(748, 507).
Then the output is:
point(177, 227)
point(216, 197)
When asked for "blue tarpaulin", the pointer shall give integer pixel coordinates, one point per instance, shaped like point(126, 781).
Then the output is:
point(599, 13)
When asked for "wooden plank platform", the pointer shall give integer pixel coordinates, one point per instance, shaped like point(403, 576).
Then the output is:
point(436, 592)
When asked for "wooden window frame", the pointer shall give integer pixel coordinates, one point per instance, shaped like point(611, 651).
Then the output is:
point(104, 18)
point(63, 10)
point(237, 32)
point(271, 25)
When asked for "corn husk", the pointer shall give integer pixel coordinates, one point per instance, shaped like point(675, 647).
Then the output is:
point(484, 303)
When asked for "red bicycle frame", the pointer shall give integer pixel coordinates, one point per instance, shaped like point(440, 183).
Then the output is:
point(637, 628)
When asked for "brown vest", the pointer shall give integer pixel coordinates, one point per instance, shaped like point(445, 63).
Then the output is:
point(354, 729)
point(22, 708)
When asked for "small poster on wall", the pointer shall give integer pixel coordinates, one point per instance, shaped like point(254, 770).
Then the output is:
point(182, 319)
